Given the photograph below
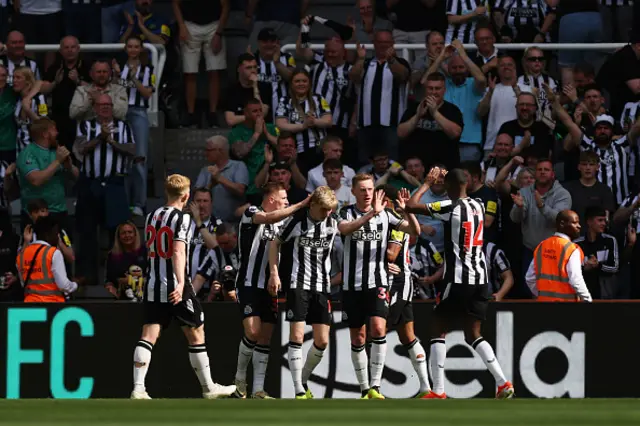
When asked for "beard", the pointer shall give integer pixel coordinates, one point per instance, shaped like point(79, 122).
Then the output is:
point(602, 139)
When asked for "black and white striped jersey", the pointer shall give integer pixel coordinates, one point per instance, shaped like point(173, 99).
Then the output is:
point(105, 161)
point(254, 240)
point(497, 264)
point(199, 250)
point(215, 262)
point(163, 228)
point(365, 259)
point(23, 121)
point(310, 138)
point(268, 73)
point(544, 106)
point(334, 85)
point(144, 74)
point(382, 99)
point(614, 164)
point(463, 32)
point(463, 241)
point(425, 261)
point(11, 67)
point(313, 242)
point(402, 282)
point(616, 2)
point(523, 14)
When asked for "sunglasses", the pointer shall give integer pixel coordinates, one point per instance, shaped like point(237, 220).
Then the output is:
point(535, 59)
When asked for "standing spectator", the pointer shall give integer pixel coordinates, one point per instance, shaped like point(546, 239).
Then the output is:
point(536, 208)
point(37, 209)
point(105, 146)
point(113, 18)
point(487, 55)
point(333, 173)
point(463, 16)
point(382, 84)
point(524, 21)
point(66, 74)
point(420, 68)
point(203, 228)
point(127, 255)
point(148, 26)
point(82, 19)
point(41, 22)
point(82, 106)
point(369, 23)
point(282, 17)
point(332, 148)
point(307, 116)
point(226, 179)
point(431, 129)
point(413, 20)
point(15, 56)
point(7, 120)
point(601, 255)
point(137, 77)
point(479, 191)
point(29, 107)
point(201, 25)
point(246, 88)
point(10, 288)
point(533, 64)
point(617, 19)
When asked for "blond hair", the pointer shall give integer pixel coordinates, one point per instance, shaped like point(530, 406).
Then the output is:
point(29, 78)
point(324, 197)
point(175, 186)
point(361, 177)
point(117, 245)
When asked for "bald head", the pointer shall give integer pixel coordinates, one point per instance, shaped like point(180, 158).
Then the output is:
point(568, 222)
point(458, 69)
point(15, 45)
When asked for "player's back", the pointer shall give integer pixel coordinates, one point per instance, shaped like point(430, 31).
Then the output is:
point(163, 228)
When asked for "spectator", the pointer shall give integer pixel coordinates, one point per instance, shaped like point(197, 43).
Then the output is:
point(137, 77)
point(499, 103)
point(587, 191)
point(479, 191)
point(433, 229)
point(8, 132)
point(415, 168)
point(536, 207)
point(65, 75)
point(307, 116)
point(203, 228)
point(249, 140)
point(41, 168)
point(583, 75)
point(10, 288)
point(127, 256)
point(246, 88)
point(628, 215)
point(601, 255)
point(428, 264)
point(526, 21)
point(82, 106)
point(431, 129)
point(499, 274)
point(332, 148)
point(369, 23)
point(15, 56)
point(487, 55)
point(41, 22)
point(29, 107)
point(501, 157)
point(282, 17)
point(224, 254)
point(226, 179)
point(463, 16)
point(279, 172)
point(382, 84)
point(286, 153)
point(82, 19)
point(36, 209)
point(617, 19)
point(201, 25)
point(113, 18)
point(533, 64)
point(386, 171)
point(146, 25)
point(105, 146)
point(419, 74)
point(413, 20)
point(333, 174)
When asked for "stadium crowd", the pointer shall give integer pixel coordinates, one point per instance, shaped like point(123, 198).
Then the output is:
point(536, 133)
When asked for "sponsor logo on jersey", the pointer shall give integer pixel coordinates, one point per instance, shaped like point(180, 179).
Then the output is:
point(315, 242)
point(367, 236)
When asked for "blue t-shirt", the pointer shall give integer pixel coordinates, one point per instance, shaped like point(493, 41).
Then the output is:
point(438, 238)
point(467, 98)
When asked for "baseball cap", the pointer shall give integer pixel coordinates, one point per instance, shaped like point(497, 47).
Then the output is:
point(604, 118)
point(279, 165)
point(267, 34)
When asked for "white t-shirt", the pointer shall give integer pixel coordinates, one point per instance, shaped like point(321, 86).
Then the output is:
point(315, 178)
point(40, 7)
point(344, 196)
point(503, 109)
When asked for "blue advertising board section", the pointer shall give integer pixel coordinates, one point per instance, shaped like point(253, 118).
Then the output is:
point(548, 350)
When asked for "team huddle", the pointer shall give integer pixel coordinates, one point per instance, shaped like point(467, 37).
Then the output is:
point(376, 276)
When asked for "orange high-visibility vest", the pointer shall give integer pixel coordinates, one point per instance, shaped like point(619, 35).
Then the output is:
point(550, 262)
point(41, 286)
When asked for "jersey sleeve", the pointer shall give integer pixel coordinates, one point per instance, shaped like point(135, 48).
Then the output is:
point(249, 213)
point(586, 143)
point(324, 106)
point(183, 228)
point(394, 219)
point(289, 230)
point(500, 262)
point(209, 266)
point(434, 258)
point(39, 105)
point(491, 207)
point(440, 209)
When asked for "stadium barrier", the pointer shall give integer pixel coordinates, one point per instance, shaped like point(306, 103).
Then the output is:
point(547, 350)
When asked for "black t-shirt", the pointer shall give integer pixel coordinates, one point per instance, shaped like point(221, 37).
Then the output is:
point(489, 198)
point(541, 138)
point(237, 96)
point(201, 12)
point(428, 141)
point(8, 252)
point(586, 196)
point(413, 15)
point(623, 66)
point(62, 94)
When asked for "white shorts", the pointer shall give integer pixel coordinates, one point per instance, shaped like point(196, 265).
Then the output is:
point(200, 41)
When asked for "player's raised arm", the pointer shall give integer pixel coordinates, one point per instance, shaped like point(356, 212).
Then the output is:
point(410, 225)
point(378, 205)
point(413, 204)
point(276, 216)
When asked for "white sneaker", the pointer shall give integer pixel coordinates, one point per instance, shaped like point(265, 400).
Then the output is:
point(140, 395)
point(219, 391)
point(137, 211)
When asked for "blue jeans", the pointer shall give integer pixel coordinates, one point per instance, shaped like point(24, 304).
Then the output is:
point(470, 152)
point(137, 179)
point(83, 21)
point(581, 27)
point(113, 21)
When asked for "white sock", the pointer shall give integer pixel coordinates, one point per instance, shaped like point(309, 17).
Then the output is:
point(485, 351)
point(142, 356)
point(419, 362)
point(200, 362)
point(245, 352)
point(437, 356)
point(295, 366)
point(314, 356)
point(378, 355)
point(260, 361)
point(359, 360)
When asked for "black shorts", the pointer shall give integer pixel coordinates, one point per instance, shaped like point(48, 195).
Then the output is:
point(257, 302)
point(400, 311)
point(308, 306)
point(361, 305)
point(459, 300)
point(187, 313)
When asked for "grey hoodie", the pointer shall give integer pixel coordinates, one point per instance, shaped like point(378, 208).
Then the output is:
point(540, 224)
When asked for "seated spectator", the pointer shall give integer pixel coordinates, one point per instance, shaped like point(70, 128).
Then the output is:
point(386, 171)
point(499, 274)
point(36, 209)
point(127, 256)
point(419, 73)
point(415, 168)
point(83, 20)
point(601, 256)
point(369, 22)
point(332, 148)
point(524, 22)
point(587, 191)
point(487, 55)
point(10, 288)
point(431, 228)
point(15, 56)
point(144, 23)
point(463, 18)
point(500, 158)
point(201, 27)
point(7, 120)
point(41, 22)
point(534, 76)
point(428, 268)
point(476, 189)
point(82, 106)
point(226, 179)
point(282, 17)
point(29, 107)
point(226, 253)
point(203, 228)
point(280, 172)
point(286, 151)
point(247, 87)
point(333, 174)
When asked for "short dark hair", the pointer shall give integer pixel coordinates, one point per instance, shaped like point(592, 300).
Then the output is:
point(225, 228)
point(134, 37)
point(332, 164)
point(252, 101)
point(245, 57)
point(101, 61)
point(589, 157)
point(585, 68)
point(456, 177)
point(483, 25)
point(436, 76)
point(285, 135)
point(592, 86)
point(594, 211)
point(203, 190)
point(545, 160)
point(380, 152)
point(45, 227)
point(473, 167)
point(389, 190)
point(36, 204)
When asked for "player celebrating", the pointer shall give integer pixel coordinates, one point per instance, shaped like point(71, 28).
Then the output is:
point(466, 295)
point(258, 228)
point(365, 226)
point(313, 230)
point(169, 294)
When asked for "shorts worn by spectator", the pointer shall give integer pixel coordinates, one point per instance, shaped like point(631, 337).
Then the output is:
point(15, 56)
point(281, 16)
point(414, 20)
point(7, 121)
point(41, 21)
point(332, 148)
point(82, 19)
point(126, 263)
point(246, 88)
point(84, 98)
point(148, 26)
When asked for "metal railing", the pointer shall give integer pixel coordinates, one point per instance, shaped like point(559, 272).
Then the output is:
point(158, 60)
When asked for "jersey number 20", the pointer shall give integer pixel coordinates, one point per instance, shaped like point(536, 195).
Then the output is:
point(155, 239)
point(469, 243)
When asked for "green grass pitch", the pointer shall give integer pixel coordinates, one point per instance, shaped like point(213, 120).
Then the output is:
point(478, 412)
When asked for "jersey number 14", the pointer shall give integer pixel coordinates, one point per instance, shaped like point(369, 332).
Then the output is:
point(476, 241)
